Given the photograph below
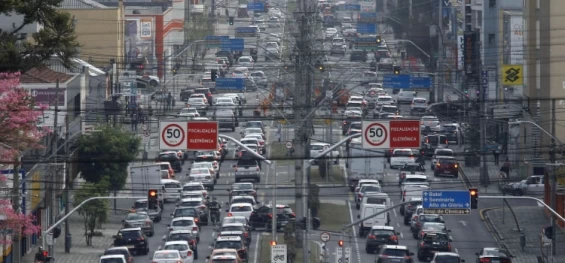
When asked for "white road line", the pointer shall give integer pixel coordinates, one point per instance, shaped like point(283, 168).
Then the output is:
point(257, 237)
point(456, 251)
point(401, 235)
point(397, 224)
point(393, 210)
point(354, 233)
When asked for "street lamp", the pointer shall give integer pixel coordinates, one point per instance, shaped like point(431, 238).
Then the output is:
point(536, 125)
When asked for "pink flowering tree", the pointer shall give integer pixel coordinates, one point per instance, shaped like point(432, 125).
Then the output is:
point(19, 132)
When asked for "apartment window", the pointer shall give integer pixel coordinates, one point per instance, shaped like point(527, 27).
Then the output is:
point(491, 3)
point(537, 34)
point(538, 75)
point(491, 39)
point(480, 18)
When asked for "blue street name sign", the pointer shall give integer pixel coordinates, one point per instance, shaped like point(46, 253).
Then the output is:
point(367, 43)
point(366, 28)
point(351, 7)
point(256, 6)
point(368, 18)
point(214, 41)
point(234, 44)
point(246, 31)
point(230, 84)
point(421, 82)
point(447, 201)
point(401, 81)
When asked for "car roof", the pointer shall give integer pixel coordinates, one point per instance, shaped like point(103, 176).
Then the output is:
point(181, 231)
point(395, 247)
point(319, 143)
point(228, 238)
point(190, 199)
point(176, 242)
point(421, 176)
point(192, 183)
point(233, 224)
point(174, 251)
point(118, 248)
point(183, 218)
point(169, 181)
point(368, 181)
point(113, 256)
point(130, 229)
point(447, 254)
point(383, 227)
point(243, 197)
point(240, 204)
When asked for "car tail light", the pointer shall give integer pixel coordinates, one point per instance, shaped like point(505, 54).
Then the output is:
point(236, 165)
point(406, 257)
point(449, 247)
point(202, 207)
point(404, 195)
point(418, 224)
point(394, 238)
point(257, 167)
point(506, 260)
point(178, 261)
point(147, 223)
point(141, 238)
point(422, 244)
point(371, 237)
point(192, 242)
point(270, 215)
point(384, 256)
point(189, 253)
point(344, 122)
point(484, 260)
point(246, 234)
point(204, 194)
point(292, 214)
point(402, 175)
point(438, 164)
point(154, 262)
point(422, 233)
point(208, 94)
point(456, 166)
point(230, 214)
point(194, 228)
point(196, 220)
point(170, 229)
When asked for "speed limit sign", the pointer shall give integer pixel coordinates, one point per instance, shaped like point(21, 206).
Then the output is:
point(172, 136)
point(375, 135)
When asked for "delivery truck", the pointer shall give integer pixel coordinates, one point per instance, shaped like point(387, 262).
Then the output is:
point(363, 163)
point(143, 178)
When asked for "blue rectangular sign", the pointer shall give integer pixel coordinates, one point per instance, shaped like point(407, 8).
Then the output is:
point(245, 29)
point(256, 6)
point(401, 81)
point(366, 28)
point(351, 7)
point(446, 199)
point(230, 84)
point(421, 82)
point(214, 41)
point(234, 44)
point(367, 18)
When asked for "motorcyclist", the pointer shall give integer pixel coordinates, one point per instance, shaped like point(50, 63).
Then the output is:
point(214, 206)
point(40, 256)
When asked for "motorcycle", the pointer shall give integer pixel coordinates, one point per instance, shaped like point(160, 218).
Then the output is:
point(214, 217)
point(301, 224)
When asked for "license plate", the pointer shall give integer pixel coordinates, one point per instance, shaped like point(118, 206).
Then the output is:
point(495, 261)
point(132, 246)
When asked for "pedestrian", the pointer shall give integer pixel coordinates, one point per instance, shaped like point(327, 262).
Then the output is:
point(496, 155)
point(227, 12)
point(169, 101)
point(506, 168)
point(134, 120)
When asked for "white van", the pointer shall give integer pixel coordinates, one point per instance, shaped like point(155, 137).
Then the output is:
point(415, 191)
point(375, 199)
point(379, 220)
point(171, 189)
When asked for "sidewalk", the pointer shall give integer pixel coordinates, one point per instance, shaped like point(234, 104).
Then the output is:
point(80, 252)
point(472, 175)
point(531, 220)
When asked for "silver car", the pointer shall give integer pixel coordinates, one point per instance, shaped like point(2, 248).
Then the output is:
point(167, 256)
point(204, 176)
point(141, 220)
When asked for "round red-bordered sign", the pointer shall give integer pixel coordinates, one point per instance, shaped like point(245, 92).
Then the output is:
point(372, 138)
point(165, 136)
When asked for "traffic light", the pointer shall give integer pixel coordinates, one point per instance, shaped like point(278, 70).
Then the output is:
point(152, 197)
point(321, 67)
point(273, 243)
point(213, 74)
point(230, 21)
point(286, 67)
point(396, 70)
point(174, 72)
point(474, 192)
point(340, 243)
point(379, 39)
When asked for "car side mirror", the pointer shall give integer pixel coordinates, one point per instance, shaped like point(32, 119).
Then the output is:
point(208, 257)
point(172, 215)
point(164, 238)
point(358, 217)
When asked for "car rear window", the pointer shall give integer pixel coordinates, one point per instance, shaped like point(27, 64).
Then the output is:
point(232, 228)
point(185, 222)
point(376, 200)
point(241, 209)
point(111, 260)
point(180, 236)
point(130, 234)
point(382, 233)
point(401, 153)
point(370, 188)
point(356, 126)
point(444, 153)
point(395, 252)
point(419, 101)
point(429, 218)
point(172, 185)
point(192, 188)
point(202, 91)
point(117, 252)
point(190, 203)
point(227, 244)
point(447, 161)
point(185, 212)
point(179, 247)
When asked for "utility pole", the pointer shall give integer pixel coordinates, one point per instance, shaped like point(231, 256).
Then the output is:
point(440, 48)
point(67, 186)
point(16, 192)
point(553, 195)
point(51, 214)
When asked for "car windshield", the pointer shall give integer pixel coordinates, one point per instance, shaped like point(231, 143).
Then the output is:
point(192, 188)
point(136, 216)
point(370, 188)
point(419, 101)
point(195, 101)
point(166, 255)
point(111, 260)
point(227, 244)
point(403, 153)
point(444, 153)
point(130, 234)
point(389, 109)
point(179, 247)
point(179, 236)
point(435, 238)
point(185, 212)
point(395, 252)
point(183, 222)
point(232, 228)
point(447, 259)
point(244, 60)
point(355, 126)
point(450, 127)
point(253, 130)
point(385, 99)
point(190, 203)
point(433, 227)
point(382, 233)
point(230, 220)
point(241, 208)
point(316, 147)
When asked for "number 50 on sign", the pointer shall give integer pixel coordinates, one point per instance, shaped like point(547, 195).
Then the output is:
point(375, 135)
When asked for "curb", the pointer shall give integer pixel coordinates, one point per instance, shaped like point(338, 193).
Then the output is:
point(492, 228)
point(465, 179)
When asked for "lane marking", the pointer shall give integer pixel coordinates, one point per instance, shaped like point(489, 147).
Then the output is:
point(456, 251)
point(401, 235)
point(257, 237)
point(354, 233)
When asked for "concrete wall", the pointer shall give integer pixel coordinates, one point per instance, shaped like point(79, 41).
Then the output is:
point(10, 22)
point(101, 35)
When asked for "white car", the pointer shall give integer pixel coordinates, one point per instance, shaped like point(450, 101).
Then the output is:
point(330, 32)
point(253, 141)
point(238, 74)
point(183, 248)
point(366, 181)
point(405, 96)
point(318, 147)
point(204, 176)
point(358, 99)
point(240, 209)
point(430, 121)
point(339, 41)
point(414, 179)
point(185, 223)
point(400, 157)
point(193, 187)
point(419, 105)
point(224, 100)
point(259, 136)
point(252, 131)
point(445, 257)
point(112, 259)
point(384, 100)
point(207, 165)
point(167, 256)
point(246, 61)
point(189, 112)
point(172, 189)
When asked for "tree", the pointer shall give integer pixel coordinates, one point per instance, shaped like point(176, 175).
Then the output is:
point(18, 119)
point(94, 212)
point(107, 152)
point(56, 38)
